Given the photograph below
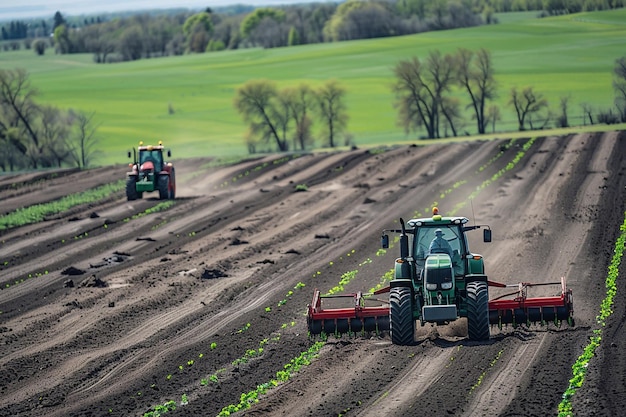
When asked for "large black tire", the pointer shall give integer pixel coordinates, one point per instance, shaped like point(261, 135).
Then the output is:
point(164, 183)
point(131, 189)
point(172, 191)
point(402, 325)
point(477, 311)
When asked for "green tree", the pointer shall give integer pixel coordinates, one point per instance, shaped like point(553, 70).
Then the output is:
point(294, 37)
point(332, 110)
point(62, 39)
point(256, 102)
point(198, 28)
point(251, 21)
point(39, 46)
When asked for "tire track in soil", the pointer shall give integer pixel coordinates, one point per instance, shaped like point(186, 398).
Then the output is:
point(369, 190)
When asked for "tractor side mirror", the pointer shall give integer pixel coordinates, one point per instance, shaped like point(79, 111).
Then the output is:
point(487, 235)
point(129, 154)
point(384, 241)
point(169, 153)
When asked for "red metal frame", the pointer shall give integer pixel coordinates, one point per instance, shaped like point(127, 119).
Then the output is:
point(521, 301)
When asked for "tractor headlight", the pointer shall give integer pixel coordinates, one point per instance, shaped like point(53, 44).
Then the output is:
point(446, 285)
point(431, 287)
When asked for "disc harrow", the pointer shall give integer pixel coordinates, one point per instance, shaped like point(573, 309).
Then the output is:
point(516, 311)
point(524, 310)
point(357, 318)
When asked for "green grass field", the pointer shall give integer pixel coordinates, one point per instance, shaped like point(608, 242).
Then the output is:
point(559, 56)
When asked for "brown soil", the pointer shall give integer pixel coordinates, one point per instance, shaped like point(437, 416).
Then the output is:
point(112, 321)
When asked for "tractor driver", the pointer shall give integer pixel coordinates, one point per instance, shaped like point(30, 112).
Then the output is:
point(439, 244)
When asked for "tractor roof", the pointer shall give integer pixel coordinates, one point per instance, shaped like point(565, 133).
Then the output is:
point(436, 220)
point(143, 147)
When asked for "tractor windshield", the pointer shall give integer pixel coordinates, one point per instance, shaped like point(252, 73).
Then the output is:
point(154, 156)
point(439, 239)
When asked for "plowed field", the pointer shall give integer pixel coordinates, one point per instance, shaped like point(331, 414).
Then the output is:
point(106, 312)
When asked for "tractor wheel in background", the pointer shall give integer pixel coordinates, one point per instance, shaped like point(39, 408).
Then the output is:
point(164, 183)
point(477, 311)
point(401, 316)
point(131, 189)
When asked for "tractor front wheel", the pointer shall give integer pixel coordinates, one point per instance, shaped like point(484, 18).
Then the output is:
point(477, 311)
point(131, 189)
point(401, 316)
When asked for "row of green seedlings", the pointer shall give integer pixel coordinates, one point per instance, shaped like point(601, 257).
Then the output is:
point(458, 184)
point(389, 275)
point(162, 206)
point(249, 354)
point(518, 157)
point(579, 368)
point(252, 397)
point(159, 207)
point(497, 156)
point(22, 280)
point(37, 212)
point(349, 276)
point(481, 377)
point(258, 168)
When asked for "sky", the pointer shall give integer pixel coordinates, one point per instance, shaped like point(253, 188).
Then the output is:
point(25, 9)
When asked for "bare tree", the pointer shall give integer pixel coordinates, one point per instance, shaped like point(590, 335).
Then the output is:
point(420, 89)
point(20, 112)
point(476, 74)
point(493, 116)
point(82, 144)
point(619, 86)
point(330, 99)
point(562, 120)
point(54, 128)
point(301, 101)
point(256, 102)
point(587, 113)
point(527, 104)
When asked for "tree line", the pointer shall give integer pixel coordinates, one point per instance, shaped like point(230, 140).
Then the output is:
point(131, 36)
point(285, 117)
point(426, 98)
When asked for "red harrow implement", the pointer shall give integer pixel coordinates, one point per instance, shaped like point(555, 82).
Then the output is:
point(517, 311)
point(526, 310)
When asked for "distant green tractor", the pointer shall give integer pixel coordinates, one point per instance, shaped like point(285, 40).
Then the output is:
point(150, 172)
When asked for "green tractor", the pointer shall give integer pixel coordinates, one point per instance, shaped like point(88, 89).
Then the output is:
point(150, 172)
point(437, 279)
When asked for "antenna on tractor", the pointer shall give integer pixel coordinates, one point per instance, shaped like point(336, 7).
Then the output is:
point(472, 205)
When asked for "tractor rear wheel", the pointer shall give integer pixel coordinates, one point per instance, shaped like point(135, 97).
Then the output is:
point(477, 311)
point(131, 189)
point(164, 183)
point(401, 320)
point(172, 190)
